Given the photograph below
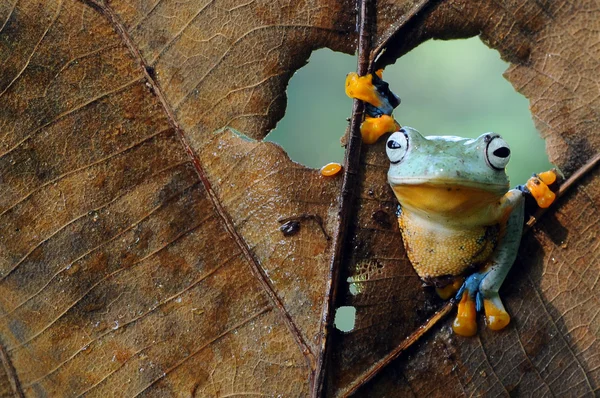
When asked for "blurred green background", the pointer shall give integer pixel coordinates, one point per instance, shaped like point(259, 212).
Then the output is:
point(447, 88)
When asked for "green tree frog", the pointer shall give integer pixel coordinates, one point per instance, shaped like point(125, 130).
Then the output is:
point(458, 217)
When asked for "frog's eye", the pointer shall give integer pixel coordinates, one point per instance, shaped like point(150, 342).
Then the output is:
point(497, 153)
point(396, 146)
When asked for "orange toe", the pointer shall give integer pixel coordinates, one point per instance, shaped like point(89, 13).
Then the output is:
point(548, 177)
point(331, 169)
point(495, 318)
point(450, 290)
point(374, 127)
point(540, 192)
point(465, 323)
point(362, 88)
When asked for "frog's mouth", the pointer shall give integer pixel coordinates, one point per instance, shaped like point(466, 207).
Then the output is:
point(446, 197)
point(448, 183)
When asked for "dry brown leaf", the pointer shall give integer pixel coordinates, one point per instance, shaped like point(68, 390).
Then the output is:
point(140, 250)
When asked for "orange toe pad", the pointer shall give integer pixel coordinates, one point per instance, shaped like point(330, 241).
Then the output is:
point(465, 323)
point(362, 88)
point(450, 290)
point(538, 187)
point(374, 127)
point(495, 318)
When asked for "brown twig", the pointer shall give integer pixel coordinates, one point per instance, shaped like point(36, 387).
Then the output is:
point(349, 184)
point(403, 346)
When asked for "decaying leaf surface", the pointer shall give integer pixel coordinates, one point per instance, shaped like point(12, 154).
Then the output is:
point(140, 250)
point(140, 244)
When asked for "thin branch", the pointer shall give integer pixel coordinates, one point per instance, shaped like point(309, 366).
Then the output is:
point(403, 346)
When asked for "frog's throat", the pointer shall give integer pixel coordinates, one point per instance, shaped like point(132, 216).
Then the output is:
point(457, 203)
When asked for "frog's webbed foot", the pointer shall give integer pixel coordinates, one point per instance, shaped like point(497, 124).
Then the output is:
point(374, 91)
point(475, 295)
point(541, 188)
point(380, 103)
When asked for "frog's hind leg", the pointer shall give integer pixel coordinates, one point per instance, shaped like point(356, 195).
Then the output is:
point(480, 290)
point(496, 316)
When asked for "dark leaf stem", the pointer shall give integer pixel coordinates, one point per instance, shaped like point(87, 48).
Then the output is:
point(346, 200)
point(377, 51)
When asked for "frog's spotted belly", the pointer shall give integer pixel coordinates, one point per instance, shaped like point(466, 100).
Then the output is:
point(435, 250)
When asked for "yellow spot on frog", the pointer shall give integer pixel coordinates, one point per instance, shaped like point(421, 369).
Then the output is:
point(448, 199)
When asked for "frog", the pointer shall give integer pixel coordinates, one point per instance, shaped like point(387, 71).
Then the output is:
point(461, 224)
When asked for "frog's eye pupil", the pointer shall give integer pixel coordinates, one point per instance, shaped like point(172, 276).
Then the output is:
point(502, 152)
point(393, 144)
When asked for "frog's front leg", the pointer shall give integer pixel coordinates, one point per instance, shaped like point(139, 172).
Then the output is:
point(480, 290)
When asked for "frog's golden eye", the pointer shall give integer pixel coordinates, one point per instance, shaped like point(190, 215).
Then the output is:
point(497, 153)
point(396, 146)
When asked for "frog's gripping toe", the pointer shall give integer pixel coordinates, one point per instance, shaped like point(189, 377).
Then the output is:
point(380, 103)
point(374, 127)
point(465, 323)
point(472, 300)
point(496, 316)
point(542, 187)
point(374, 91)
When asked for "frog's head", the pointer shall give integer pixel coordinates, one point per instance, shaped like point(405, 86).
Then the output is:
point(473, 167)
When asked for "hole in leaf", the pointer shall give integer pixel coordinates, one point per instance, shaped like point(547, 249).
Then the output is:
point(447, 88)
point(317, 109)
point(345, 318)
point(456, 88)
point(355, 285)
